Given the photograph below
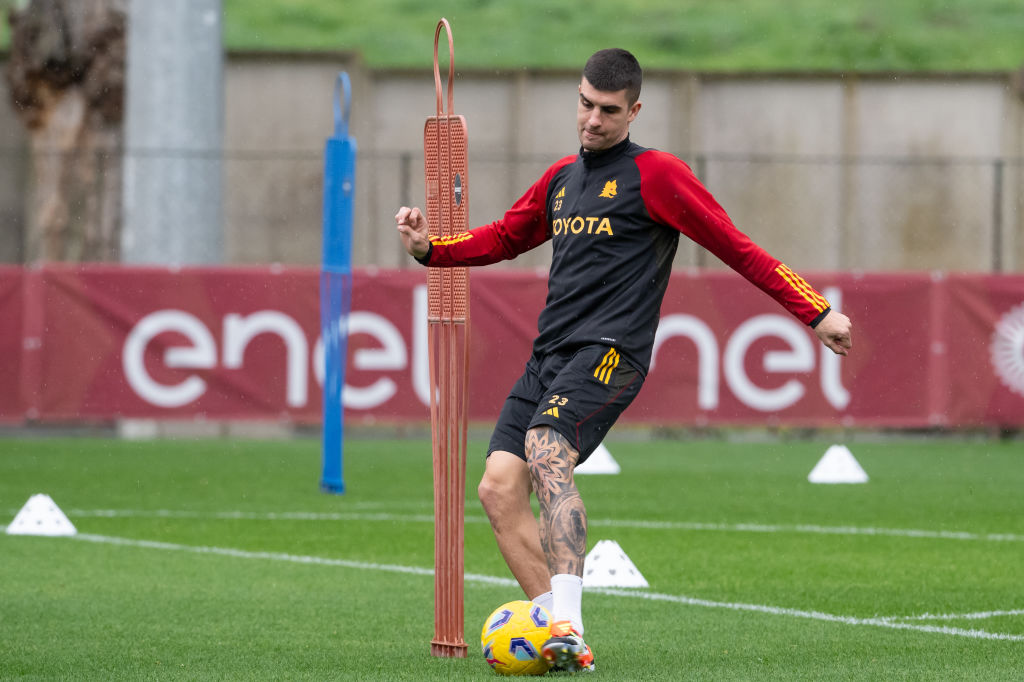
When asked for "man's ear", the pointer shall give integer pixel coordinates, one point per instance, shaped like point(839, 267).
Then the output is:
point(634, 111)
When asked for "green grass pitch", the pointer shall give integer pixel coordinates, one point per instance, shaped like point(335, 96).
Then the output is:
point(221, 560)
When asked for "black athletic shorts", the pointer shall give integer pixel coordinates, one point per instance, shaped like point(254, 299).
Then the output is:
point(579, 394)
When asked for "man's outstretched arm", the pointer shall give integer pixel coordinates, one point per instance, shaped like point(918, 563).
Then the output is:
point(523, 227)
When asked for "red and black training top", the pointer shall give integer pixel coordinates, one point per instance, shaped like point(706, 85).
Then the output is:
point(614, 218)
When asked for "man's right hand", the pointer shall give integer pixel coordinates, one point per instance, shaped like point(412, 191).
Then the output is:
point(413, 230)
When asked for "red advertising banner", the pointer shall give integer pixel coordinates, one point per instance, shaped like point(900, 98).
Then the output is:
point(99, 342)
point(11, 296)
point(728, 354)
point(141, 342)
point(980, 351)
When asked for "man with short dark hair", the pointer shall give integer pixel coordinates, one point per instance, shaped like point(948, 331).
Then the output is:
point(614, 213)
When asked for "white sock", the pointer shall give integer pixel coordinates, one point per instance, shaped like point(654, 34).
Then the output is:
point(544, 600)
point(567, 598)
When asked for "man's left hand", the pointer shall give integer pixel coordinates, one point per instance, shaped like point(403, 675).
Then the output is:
point(834, 332)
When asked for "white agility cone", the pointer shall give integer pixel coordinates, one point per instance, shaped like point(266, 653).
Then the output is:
point(599, 462)
point(41, 516)
point(608, 566)
point(838, 465)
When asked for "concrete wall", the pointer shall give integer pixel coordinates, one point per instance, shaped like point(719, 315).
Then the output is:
point(13, 177)
point(279, 111)
point(869, 172)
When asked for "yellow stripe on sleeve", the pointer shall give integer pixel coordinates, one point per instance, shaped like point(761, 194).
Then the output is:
point(454, 239)
point(803, 288)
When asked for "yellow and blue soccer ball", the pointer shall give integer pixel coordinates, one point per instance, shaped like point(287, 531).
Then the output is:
point(512, 637)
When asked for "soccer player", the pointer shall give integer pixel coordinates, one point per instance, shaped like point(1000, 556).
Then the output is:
point(614, 213)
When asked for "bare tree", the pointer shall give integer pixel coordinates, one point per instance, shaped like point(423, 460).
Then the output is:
point(66, 81)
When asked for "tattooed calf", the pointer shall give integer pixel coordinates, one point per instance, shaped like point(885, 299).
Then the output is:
point(563, 519)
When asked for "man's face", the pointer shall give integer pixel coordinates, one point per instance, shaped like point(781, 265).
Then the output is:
point(603, 118)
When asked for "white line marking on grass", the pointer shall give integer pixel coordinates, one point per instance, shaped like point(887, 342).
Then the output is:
point(280, 556)
point(610, 523)
point(251, 516)
point(813, 615)
point(980, 615)
point(809, 528)
point(506, 582)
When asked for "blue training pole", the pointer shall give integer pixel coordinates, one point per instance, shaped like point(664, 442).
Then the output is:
point(336, 280)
